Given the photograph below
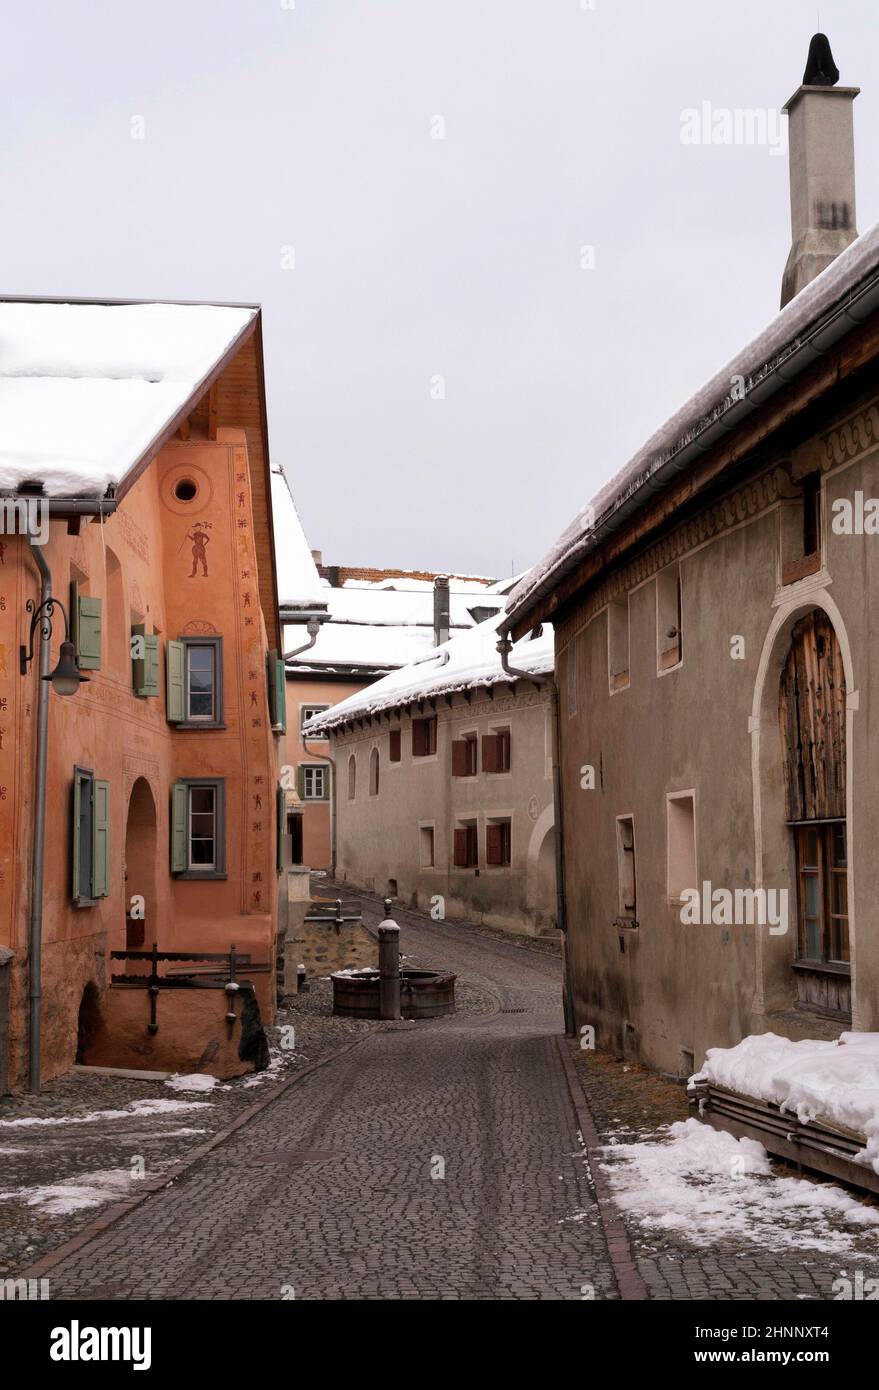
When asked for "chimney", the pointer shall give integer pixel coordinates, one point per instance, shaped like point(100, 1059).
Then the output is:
point(317, 557)
point(441, 619)
point(822, 170)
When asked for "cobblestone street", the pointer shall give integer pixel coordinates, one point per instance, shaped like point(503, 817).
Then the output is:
point(436, 1160)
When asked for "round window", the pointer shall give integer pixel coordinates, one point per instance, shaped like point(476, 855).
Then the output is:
point(185, 490)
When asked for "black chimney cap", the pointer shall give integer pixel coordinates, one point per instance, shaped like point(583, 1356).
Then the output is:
point(821, 71)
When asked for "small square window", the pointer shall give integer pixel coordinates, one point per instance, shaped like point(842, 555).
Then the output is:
point(314, 782)
point(307, 712)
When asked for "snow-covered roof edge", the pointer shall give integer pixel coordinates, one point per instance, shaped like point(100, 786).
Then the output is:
point(779, 340)
point(466, 661)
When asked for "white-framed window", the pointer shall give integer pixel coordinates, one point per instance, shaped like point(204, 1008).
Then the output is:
point(314, 782)
point(626, 877)
point(307, 712)
point(669, 619)
point(681, 858)
point(618, 643)
point(202, 686)
point(427, 844)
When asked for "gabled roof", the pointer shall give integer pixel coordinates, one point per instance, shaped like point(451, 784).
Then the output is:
point(834, 304)
point(89, 391)
point(298, 579)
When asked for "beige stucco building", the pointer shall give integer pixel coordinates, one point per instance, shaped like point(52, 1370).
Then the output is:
point(718, 675)
point(445, 783)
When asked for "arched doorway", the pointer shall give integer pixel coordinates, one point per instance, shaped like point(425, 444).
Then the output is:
point(140, 868)
point(812, 715)
point(88, 1023)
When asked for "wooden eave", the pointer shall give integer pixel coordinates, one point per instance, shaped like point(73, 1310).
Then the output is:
point(838, 365)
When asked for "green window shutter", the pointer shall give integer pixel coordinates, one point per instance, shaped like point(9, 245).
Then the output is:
point(88, 633)
point(328, 775)
point(151, 663)
point(73, 610)
point(138, 663)
point(300, 782)
point(179, 799)
point(272, 685)
point(175, 662)
point(281, 803)
point(279, 719)
point(100, 839)
point(74, 840)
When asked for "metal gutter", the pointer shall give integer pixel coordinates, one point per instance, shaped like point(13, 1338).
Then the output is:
point(854, 310)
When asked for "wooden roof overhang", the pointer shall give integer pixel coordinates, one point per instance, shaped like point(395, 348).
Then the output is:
point(790, 411)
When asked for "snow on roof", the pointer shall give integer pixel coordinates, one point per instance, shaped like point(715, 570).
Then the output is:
point(383, 627)
point(777, 341)
point(466, 660)
point(298, 579)
point(86, 388)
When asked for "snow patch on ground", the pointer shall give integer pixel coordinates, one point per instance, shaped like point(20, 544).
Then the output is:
point(707, 1185)
point(838, 1081)
point(76, 1194)
point(137, 1107)
point(192, 1081)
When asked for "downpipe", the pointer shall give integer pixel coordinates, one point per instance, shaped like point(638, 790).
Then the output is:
point(35, 934)
point(504, 647)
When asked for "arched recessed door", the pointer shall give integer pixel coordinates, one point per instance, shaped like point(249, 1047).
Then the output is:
point(812, 713)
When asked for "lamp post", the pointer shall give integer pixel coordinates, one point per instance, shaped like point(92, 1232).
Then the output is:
point(65, 680)
point(67, 677)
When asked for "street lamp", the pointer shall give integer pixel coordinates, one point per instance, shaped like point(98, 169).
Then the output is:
point(67, 677)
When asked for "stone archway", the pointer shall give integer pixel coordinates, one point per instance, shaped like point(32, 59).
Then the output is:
point(541, 875)
point(774, 845)
point(140, 867)
point(89, 1023)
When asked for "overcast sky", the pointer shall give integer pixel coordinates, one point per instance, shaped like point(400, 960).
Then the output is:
point(304, 131)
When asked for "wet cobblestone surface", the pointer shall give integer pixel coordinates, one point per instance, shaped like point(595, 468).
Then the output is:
point(433, 1160)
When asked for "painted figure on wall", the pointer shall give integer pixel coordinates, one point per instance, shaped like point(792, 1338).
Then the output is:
point(200, 539)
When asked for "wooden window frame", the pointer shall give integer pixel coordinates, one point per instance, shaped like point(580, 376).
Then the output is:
point(495, 761)
point(425, 739)
point(499, 846)
point(373, 786)
point(824, 871)
point(218, 869)
point(395, 746)
point(470, 830)
point(465, 755)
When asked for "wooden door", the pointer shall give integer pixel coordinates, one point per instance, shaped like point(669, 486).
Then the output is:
point(812, 711)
